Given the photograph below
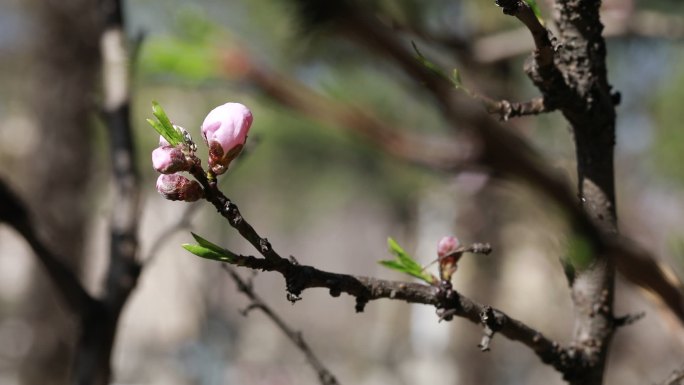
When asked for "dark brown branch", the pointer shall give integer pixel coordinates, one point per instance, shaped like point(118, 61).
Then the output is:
point(504, 151)
point(521, 10)
point(13, 211)
point(300, 277)
point(324, 375)
point(588, 106)
point(642, 24)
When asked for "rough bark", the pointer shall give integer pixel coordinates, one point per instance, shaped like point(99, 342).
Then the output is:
point(62, 101)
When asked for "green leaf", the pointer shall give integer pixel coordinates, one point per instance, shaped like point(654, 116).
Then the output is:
point(405, 263)
point(394, 265)
point(535, 8)
point(429, 65)
point(206, 244)
point(580, 252)
point(204, 252)
point(164, 126)
point(403, 257)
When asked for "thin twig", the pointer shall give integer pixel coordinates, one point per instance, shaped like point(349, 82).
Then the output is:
point(183, 223)
point(324, 375)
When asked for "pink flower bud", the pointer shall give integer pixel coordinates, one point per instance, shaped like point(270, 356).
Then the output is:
point(447, 245)
point(225, 131)
point(176, 187)
point(168, 160)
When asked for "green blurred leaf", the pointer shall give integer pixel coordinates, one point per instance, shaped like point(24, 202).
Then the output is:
point(207, 253)
point(186, 60)
point(163, 126)
point(580, 252)
point(429, 65)
point(456, 78)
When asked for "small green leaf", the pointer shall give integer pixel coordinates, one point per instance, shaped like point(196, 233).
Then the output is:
point(201, 251)
point(206, 244)
point(394, 265)
point(405, 263)
point(535, 8)
point(403, 257)
point(164, 126)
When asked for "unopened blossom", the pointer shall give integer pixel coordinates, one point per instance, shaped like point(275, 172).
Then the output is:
point(176, 187)
point(449, 252)
point(168, 159)
point(225, 131)
point(447, 245)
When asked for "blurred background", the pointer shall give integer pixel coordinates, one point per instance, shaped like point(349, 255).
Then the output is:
point(321, 193)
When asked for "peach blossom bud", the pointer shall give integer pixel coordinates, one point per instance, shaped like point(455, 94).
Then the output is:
point(168, 160)
point(225, 131)
point(447, 245)
point(176, 187)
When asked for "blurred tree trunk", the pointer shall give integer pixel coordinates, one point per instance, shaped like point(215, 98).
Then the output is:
point(67, 58)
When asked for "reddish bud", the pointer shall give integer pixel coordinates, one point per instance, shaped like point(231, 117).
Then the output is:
point(168, 160)
point(449, 252)
point(225, 132)
point(447, 245)
point(176, 187)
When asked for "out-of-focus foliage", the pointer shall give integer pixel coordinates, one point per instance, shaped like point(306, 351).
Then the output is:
point(668, 147)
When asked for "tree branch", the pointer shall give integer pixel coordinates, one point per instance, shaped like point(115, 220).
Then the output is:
point(324, 375)
point(92, 364)
point(301, 277)
point(13, 211)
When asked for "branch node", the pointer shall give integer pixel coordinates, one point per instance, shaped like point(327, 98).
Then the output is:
point(445, 315)
point(335, 289)
point(293, 298)
point(491, 326)
point(360, 304)
point(264, 245)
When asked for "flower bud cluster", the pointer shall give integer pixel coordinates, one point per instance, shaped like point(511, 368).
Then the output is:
point(224, 131)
